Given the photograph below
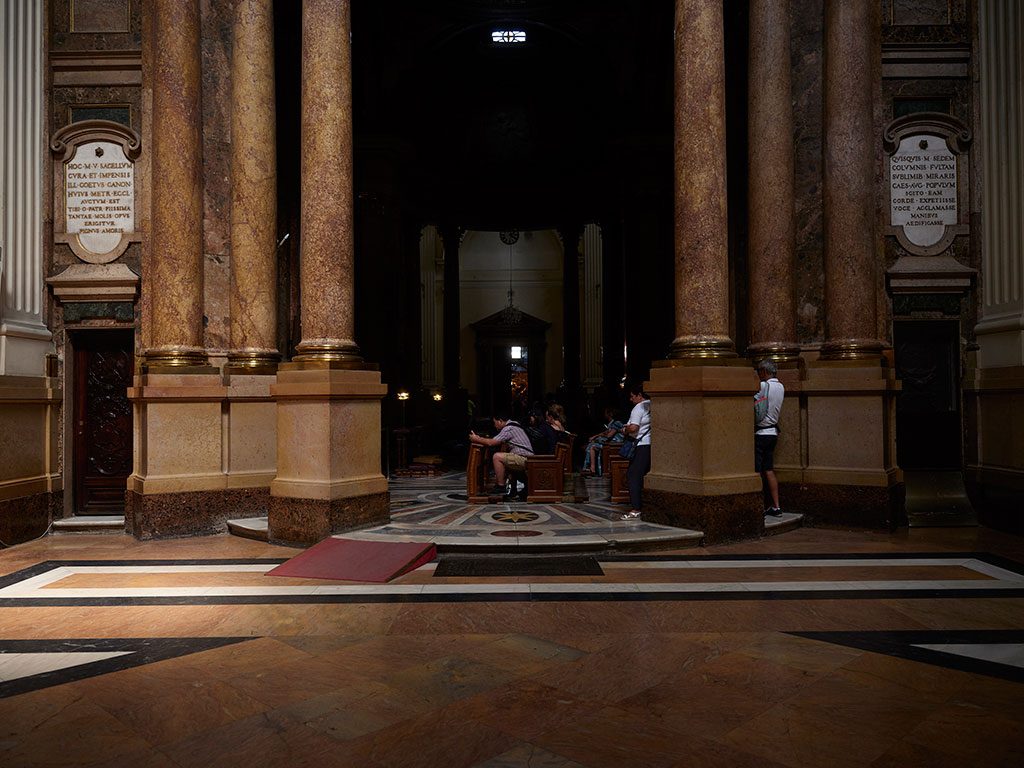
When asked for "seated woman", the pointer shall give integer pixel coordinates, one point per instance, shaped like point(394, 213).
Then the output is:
point(612, 434)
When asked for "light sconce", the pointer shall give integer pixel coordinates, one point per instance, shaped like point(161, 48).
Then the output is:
point(403, 395)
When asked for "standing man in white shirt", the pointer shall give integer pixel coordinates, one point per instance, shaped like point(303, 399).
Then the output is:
point(766, 434)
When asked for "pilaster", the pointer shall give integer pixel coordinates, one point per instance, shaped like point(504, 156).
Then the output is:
point(994, 380)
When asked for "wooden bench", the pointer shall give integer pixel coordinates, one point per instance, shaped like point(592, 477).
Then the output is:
point(477, 475)
point(616, 468)
point(545, 474)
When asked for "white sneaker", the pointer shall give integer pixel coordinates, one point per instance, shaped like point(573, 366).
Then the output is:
point(634, 515)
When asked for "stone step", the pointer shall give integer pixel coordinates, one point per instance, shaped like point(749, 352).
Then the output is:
point(787, 521)
point(90, 524)
point(249, 528)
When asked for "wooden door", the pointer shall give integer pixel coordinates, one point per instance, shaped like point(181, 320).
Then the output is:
point(103, 420)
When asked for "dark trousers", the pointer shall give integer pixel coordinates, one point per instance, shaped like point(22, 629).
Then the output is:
point(638, 467)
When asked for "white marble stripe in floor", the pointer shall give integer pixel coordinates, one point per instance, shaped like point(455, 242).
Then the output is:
point(39, 586)
point(997, 653)
point(14, 666)
point(951, 586)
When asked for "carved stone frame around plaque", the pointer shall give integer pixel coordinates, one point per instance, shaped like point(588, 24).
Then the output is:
point(925, 132)
point(116, 147)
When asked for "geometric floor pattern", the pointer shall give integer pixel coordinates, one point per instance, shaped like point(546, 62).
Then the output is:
point(435, 509)
point(817, 648)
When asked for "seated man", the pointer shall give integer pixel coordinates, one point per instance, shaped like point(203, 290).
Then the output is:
point(514, 458)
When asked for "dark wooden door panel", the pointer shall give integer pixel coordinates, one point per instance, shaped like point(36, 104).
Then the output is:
point(103, 420)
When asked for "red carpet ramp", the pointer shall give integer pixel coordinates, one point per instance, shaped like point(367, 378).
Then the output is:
point(352, 560)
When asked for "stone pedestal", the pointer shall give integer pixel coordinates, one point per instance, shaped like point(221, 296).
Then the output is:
point(850, 477)
point(178, 478)
point(702, 451)
point(328, 452)
point(251, 443)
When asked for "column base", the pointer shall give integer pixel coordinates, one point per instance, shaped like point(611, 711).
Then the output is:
point(307, 521)
point(847, 506)
point(27, 517)
point(329, 476)
point(193, 513)
point(728, 517)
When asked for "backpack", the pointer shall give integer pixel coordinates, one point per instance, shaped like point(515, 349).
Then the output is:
point(761, 407)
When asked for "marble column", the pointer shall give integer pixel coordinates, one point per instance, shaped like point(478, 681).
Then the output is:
point(612, 286)
point(851, 28)
point(327, 245)
point(771, 195)
point(571, 306)
point(451, 237)
point(176, 240)
point(593, 305)
point(701, 222)
point(254, 190)
point(328, 399)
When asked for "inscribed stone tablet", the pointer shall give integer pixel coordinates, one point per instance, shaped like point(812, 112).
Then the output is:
point(923, 191)
point(100, 196)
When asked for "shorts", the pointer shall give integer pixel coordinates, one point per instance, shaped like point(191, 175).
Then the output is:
point(764, 452)
point(515, 462)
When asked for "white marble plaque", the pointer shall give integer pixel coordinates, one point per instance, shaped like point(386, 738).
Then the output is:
point(99, 186)
point(923, 191)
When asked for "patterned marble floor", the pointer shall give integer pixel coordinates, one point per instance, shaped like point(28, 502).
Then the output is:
point(435, 509)
point(818, 648)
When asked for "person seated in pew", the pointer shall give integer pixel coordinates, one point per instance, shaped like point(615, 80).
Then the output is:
point(542, 436)
point(612, 434)
point(515, 445)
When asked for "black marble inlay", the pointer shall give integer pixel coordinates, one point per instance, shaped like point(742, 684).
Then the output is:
point(901, 644)
point(77, 311)
point(141, 651)
point(518, 566)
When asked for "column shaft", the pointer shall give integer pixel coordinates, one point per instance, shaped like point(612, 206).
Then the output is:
point(176, 240)
point(849, 180)
point(254, 189)
point(327, 247)
point(452, 328)
point(571, 307)
point(701, 221)
point(772, 219)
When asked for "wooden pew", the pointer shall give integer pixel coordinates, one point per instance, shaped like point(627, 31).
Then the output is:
point(617, 468)
point(545, 474)
point(477, 475)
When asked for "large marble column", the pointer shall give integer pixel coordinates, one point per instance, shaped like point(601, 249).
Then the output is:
point(451, 237)
point(771, 195)
point(175, 265)
point(851, 48)
point(251, 424)
point(178, 480)
point(701, 220)
point(253, 190)
point(571, 306)
point(850, 476)
point(701, 438)
point(328, 400)
point(327, 244)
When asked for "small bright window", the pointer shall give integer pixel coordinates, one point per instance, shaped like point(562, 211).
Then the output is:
point(517, 353)
point(508, 36)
